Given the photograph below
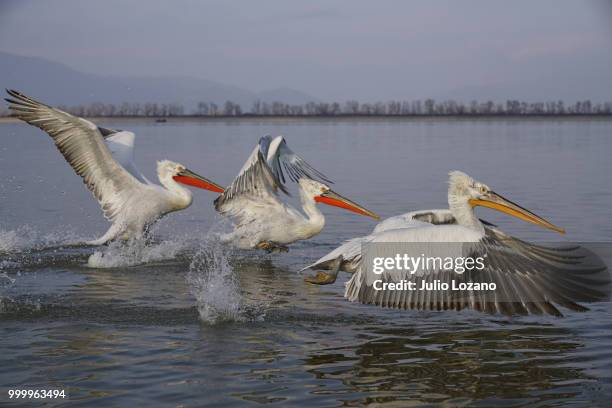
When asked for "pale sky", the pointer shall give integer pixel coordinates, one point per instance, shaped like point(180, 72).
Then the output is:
point(333, 50)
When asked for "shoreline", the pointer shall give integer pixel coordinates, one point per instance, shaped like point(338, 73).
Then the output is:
point(411, 118)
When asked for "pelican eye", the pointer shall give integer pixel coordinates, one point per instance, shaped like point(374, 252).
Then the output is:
point(483, 189)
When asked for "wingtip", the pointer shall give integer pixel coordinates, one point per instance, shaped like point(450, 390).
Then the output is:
point(283, 188)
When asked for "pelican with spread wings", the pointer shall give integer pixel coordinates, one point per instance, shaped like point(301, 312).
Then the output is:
point(262, 220)
point(529, 278)
point(104, 159)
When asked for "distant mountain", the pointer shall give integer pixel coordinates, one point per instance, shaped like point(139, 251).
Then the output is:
point(58, 84)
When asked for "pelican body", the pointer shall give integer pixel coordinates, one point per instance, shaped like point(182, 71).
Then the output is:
point(262, 219)
point(104, 160)
point(533, 279)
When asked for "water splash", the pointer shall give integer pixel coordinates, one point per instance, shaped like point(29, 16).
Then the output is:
point(26, 246)
point(22, 238)
point(136, 252)
point(213, 283)
point(10, 240)
point(26, 238)
point(4, 277)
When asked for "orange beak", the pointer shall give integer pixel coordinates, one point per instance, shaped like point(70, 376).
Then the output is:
point(499, 203)
point(336, 200)
point(189, 178)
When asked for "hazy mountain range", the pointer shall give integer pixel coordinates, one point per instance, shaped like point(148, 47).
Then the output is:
point(58, 84)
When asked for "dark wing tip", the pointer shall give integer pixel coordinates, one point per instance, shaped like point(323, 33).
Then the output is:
point(275, 182)
point(487, 223)
point(16, 94)
point(105, 132)
point(22, 99)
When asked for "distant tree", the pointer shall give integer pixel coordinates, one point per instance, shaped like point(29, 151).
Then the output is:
point(406, 108)
point(256, 109)
point(214, 109)
point(203, 109)
point(175, 109)
point(351, 107)
point(380, 108)
point(265, 108)
point(278, 108)
point(228, 108)
point(366, 109)
point(560, 107)
point(429, 106)
point(586, 107)
point(334, 109)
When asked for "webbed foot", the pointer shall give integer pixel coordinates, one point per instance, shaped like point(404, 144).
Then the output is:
point(270, 247)
point(321, 278)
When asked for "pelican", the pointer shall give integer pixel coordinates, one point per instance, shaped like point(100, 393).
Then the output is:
point(262, 220)
point(531, 279)
point(128, 200)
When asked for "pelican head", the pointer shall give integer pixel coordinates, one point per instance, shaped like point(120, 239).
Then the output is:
point(321, 193)
point(463, 189)
point(167, 170)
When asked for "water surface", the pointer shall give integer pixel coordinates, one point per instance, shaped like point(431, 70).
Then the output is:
point(184, 321)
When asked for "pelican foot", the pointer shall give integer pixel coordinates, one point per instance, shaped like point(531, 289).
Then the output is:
point(321, 278)
point(270, 247)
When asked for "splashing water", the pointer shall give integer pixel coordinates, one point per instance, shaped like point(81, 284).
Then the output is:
point(4, 277)
point(213, 284)
point(26, 238)
point(136, 252)
point(10, 240)
point(27, 246)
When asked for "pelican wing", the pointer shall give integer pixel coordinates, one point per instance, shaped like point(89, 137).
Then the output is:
point(349, 254)
point(530, 279)
point(121, 145)
point(82, 145)
point(254, 187)
point(350, 251)
point(284, 161)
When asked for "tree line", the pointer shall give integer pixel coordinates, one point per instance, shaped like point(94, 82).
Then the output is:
point(427, 107)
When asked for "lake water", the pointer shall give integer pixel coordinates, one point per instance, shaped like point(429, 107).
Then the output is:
point(185, 322)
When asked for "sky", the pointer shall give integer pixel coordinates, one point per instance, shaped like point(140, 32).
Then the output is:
point(331, 49)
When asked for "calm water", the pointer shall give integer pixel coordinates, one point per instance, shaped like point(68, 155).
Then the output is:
point(182, 321)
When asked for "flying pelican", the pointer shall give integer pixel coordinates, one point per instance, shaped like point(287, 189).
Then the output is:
point(262, 220)
point(127, 198)
point(529, 278)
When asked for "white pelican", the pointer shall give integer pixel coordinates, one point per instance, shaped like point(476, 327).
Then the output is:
point(127, 198)
point(529, 278)
point(262, 220)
